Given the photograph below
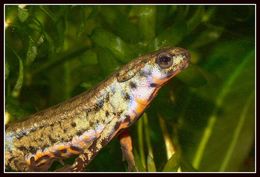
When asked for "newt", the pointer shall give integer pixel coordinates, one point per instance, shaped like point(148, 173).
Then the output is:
point(84, 124)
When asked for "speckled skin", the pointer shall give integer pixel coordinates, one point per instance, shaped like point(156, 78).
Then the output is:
point(84, 124)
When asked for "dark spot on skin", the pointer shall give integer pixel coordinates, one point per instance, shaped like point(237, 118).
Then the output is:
point(57, 153)
point(114, 113)
point(18, 137)
point(153, 85)
point(127, 96)
point(80, 164)
point(78, 133)
point(22, 148)
point(33, 129)
point(103, 121)
point(63, 151)
point(119, 113)
point(42, 158)
point(104, 142)
point(143, 74)
point(127, 118)
point(60, 126)
point(93, 147)
point(107, 113)
point(42, 126)
point(96, 108)
point(117, 125)
point(20, 134)
point(75, 148)
point(91, 123)
point(32, 149)
point(44, 147)
point(107, 98)
point(73, 124)
point(101, 103)
point(88, 111)
point(132, 85)
point(64, 130)
point(86, 157)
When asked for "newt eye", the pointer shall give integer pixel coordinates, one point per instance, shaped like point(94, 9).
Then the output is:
point(164, 60)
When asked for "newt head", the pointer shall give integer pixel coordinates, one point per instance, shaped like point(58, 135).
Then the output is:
point(166, 63)
point(162, 65)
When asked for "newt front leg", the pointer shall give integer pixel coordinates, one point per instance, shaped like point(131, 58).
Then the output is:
point(126, 147)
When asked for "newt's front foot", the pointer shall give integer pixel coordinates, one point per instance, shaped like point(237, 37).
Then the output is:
point(126, 147)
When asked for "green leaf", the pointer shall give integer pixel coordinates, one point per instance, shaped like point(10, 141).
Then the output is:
point(196, 18)
point(61, 28)
point(172, 164)
point(89, 57)
point(146, 16)
point(170, 36)
point(150, 160)
point(31, 52)
point(15, 109)
point(106, 61)
point(150, 164)
point(19, 81)
point(138, 162)
point(141, 142)
point(230, 113)
point(23, 14)
point(46, 10)
point(120, 24)
point(211, 34)
point(115, 44)
point(186, 166)
point(231, 160)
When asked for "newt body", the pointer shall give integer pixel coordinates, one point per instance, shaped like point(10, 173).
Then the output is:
point(83, 125)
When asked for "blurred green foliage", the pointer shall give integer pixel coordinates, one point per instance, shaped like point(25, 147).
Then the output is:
point(55, 52)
